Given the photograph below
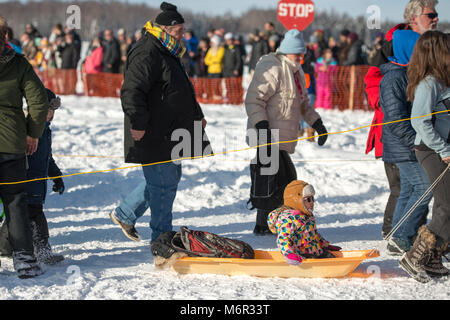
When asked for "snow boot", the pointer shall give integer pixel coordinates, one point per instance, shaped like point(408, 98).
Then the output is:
point(435, 268)
point(26, 265)
point(5, 246)
point(128, 230)
point(397, 247)
point(39, 231)
point(261, 227)
point(420, 255)
point(42, 249)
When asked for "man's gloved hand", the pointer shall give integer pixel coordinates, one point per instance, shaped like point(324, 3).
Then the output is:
point(264, 137)
point(334, 248)
point(58, 185)
point(293, 259)
point(320, 129)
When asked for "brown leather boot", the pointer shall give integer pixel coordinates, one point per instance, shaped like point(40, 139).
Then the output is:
point(420, 255)
point(435, 267)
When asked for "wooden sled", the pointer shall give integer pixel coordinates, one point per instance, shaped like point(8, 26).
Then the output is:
point(272, 264)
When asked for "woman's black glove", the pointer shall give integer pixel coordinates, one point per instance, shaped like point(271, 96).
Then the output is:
point(320, 129)
point(58, 185)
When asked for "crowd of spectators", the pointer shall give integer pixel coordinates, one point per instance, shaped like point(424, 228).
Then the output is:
point(215, 55)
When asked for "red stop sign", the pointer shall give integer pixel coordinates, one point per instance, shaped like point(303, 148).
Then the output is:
point(295, 14)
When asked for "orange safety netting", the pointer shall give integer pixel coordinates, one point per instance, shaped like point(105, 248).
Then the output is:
point(344, 86)
point(220, 90)
point(60, 81)
point(347, 89)
point(102, 84)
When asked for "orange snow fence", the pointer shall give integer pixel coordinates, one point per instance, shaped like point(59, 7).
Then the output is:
point(345, 87)
point(60, 81)
point(102, 84)
point(219, 91)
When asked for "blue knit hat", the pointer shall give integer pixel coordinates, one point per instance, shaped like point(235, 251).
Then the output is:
point(403, 42)
point(293, 43)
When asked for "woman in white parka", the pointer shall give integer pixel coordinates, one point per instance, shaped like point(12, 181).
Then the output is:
point(277, 99)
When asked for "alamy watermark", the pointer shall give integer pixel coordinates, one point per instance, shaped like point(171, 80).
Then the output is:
point(189, 144)
point(73, 17)
point(373, 13)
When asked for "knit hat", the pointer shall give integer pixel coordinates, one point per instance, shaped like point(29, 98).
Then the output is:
point(294, 194)
point(53, 100)
point(228, 36)
point(169, 15)
point(216, 40)
point(293, 43)
point(403, 43)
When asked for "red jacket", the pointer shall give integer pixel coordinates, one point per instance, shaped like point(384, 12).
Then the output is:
point(372, 81)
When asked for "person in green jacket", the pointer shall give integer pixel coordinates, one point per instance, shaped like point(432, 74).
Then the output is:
point(19, 136)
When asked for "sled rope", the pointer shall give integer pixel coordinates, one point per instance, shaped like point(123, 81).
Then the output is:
point(411, 210)
point(215, 154)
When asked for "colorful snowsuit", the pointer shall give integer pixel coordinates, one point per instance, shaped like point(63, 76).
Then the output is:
point(297, 232)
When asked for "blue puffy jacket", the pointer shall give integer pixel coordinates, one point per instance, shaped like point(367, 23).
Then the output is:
point(398, 138)
point(41, 165)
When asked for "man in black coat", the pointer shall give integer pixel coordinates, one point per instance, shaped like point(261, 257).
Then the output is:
point(70, 51)
point(111, 53)
point(163, 122)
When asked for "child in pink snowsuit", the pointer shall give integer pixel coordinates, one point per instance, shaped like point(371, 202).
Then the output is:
point(295, 225)
point(325, 70)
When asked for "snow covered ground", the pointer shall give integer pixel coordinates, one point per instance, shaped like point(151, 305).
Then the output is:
point(101, 263)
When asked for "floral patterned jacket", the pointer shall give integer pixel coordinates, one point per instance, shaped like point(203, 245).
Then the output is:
point(297, 232)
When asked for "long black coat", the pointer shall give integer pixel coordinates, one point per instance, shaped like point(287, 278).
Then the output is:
point(232, 60)
point(157, 96)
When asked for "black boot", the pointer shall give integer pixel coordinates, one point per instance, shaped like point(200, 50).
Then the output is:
point(261, 227)
point(39, 229)
point(26, 265)
point(415, 260)
point(435, 267)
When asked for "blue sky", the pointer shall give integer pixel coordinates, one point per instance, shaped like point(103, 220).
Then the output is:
point(390, 9)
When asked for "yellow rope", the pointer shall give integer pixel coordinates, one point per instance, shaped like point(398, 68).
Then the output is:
point(215, 154)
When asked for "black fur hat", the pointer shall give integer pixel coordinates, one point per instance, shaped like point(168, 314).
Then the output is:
point(169, 15)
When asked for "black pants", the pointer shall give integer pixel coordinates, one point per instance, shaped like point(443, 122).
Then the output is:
point(37, 217)
point(286, 173)
point(14, 197)
point(393, 176)
point(434, 166)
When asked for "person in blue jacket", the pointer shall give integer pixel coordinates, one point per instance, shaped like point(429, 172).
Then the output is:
point(398, 143)
point(40, 165)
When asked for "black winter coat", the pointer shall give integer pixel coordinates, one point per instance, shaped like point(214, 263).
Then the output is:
point(232, 60)
point(259, 49)
point(158, 97)
point(70, 55)
point(398, 138)
point(111, 56)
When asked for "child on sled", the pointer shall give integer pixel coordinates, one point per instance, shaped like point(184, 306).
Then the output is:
point(295, 226)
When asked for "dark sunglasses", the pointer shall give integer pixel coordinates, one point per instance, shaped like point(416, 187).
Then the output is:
point(431, 15)
point(309, 199)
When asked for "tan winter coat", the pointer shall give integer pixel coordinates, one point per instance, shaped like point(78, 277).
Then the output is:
point(273, 96)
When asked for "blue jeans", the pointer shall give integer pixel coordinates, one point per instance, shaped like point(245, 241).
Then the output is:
point(413, 184)
point(158, 193)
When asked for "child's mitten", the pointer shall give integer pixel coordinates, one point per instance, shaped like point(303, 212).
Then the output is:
point(293, 259)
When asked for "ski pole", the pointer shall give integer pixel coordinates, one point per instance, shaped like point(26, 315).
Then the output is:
point(411, 210)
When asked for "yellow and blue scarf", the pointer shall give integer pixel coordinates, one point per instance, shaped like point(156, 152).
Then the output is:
point(170, 43)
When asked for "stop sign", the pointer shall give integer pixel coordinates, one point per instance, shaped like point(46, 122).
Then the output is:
point(295, 14)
